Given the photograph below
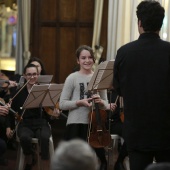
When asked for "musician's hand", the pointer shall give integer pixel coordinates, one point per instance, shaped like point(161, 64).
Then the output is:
point(4, 110)
point(84, 102)
point(56, 112)
point(9, 132)
point(8, 105)
point(97, 99)
point(12, 84)
point(112, 107)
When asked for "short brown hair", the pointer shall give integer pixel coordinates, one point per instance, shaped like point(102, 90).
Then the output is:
point(85, 47)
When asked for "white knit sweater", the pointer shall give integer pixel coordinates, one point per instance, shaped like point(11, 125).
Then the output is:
point(75, 88)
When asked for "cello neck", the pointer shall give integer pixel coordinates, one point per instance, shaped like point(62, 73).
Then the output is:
point(98, 116)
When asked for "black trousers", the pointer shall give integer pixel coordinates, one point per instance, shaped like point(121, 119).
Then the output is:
point(37, 128)
point(139, 160)
point(3, 127)
point(3, 147)
point(81, 131)
point(76, 131)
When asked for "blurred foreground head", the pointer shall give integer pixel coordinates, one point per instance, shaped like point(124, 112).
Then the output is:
point(74, 155)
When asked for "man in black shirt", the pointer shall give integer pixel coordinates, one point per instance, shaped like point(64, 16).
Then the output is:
point(142, 77)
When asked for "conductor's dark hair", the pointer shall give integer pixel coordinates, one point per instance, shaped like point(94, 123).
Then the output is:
point(151, 15)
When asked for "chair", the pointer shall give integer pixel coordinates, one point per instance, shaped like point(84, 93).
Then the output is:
point(113, 148)
point(21, 157)
point(115, 138)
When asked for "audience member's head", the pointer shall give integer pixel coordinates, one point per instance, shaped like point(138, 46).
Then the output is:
point(159, 166)
point(74, 155)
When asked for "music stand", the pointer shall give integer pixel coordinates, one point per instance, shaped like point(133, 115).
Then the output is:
point(102, 77)
point(46, 95)
point(21, 82)
point(44, 79)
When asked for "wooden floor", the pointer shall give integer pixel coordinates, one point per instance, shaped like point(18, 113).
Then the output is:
point(58, 127)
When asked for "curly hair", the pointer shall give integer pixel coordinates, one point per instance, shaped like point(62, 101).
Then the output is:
point(151, 15)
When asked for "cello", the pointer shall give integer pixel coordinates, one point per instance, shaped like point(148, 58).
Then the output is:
point(99, 136)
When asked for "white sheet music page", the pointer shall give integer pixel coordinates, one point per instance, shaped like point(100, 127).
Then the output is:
point(102, 77)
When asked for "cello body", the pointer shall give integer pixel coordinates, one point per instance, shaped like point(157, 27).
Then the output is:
point(99, 136)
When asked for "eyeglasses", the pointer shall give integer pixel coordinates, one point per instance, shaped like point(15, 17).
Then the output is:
point(30, 75)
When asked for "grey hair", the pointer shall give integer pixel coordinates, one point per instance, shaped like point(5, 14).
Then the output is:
point(74, 155)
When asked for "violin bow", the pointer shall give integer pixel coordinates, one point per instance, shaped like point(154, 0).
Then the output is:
point(20, 90)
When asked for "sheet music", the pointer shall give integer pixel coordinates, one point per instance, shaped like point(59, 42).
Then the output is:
point(46, 95)
point(102, 77)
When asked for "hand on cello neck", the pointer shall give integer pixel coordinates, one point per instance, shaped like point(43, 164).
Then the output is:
point(97, 99)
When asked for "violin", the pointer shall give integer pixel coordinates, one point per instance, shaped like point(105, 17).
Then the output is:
point(121, 109)
point(99, 136)
point(5, 82)
point(17, 117)
point(50, 111)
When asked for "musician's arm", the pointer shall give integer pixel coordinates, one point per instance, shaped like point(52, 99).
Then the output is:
point(10, 123)
point(65, 102)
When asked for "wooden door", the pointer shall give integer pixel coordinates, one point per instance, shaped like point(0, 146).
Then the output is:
point(58, 27)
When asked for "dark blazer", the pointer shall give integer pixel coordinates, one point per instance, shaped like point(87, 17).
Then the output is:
point(142, 77)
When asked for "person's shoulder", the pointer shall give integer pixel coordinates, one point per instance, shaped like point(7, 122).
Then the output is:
point(72, 76)
point(128, 45)
point(164, 43)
